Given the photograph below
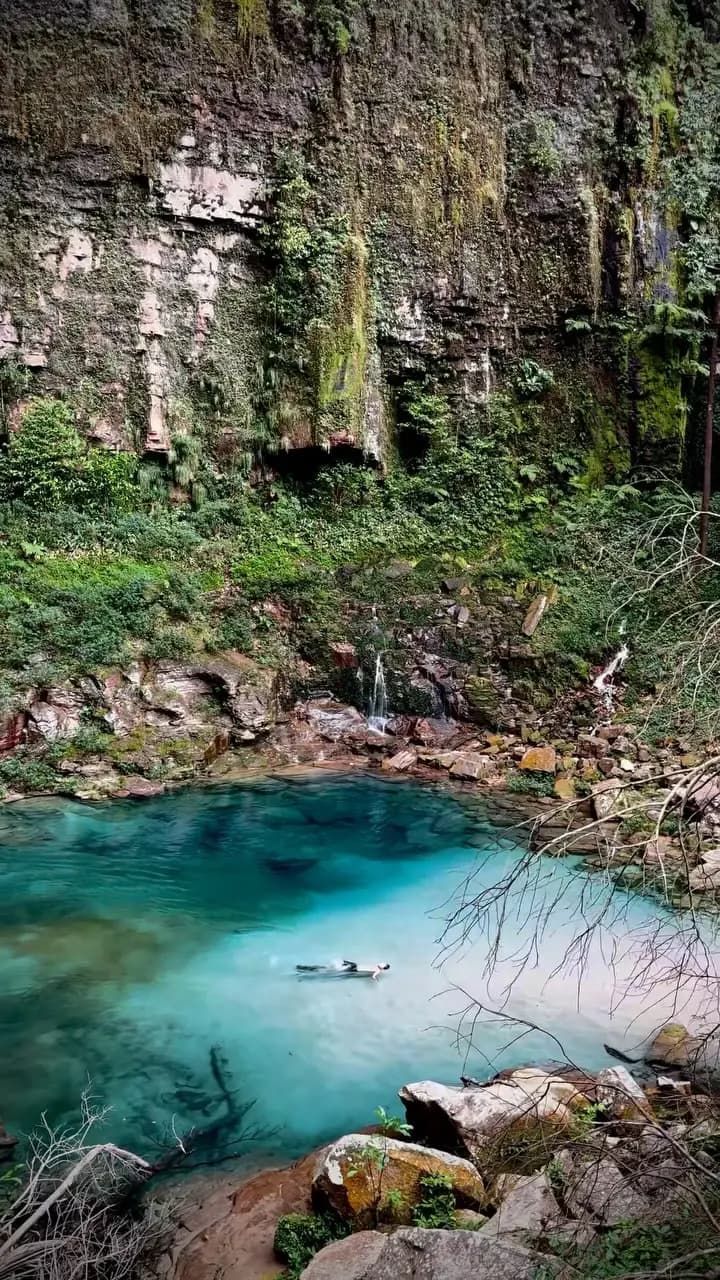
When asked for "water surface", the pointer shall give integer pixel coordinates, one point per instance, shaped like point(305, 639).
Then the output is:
point(135, 937)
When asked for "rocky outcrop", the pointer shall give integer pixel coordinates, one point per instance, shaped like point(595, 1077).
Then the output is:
point(529, 1107)
point(411, 1254)
point(699, 1055)
point(596, 1186)
point(229, 1230)
point(144, 160)
point(216, 693)
point(55, 714)
point(621, 1095)
point(528, 1213)
point(356, 1176)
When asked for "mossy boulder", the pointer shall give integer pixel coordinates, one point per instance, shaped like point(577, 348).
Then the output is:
point(363, 1178)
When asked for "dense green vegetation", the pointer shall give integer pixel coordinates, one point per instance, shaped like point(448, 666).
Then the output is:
point(633, 1248)
point(98, 566)
point(299, 1236)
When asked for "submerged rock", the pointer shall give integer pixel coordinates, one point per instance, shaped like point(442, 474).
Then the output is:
point(415, 1254)
point(525, 1109)
point(357, 1173)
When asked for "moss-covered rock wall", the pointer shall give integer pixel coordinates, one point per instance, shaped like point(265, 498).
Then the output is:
point(261, 220)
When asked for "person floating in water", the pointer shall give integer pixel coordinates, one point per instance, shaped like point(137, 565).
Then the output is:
point(349, 967)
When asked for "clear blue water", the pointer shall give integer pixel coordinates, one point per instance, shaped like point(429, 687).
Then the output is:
point(134, 937)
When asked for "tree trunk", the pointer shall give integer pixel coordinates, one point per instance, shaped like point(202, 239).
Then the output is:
point(709, 425)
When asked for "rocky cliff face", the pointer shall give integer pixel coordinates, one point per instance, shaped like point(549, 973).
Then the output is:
point(259, 221)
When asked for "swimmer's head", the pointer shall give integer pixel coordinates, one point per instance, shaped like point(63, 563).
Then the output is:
point(383, 966)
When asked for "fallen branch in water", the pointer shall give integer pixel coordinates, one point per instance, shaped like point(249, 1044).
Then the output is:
point(80, 1211)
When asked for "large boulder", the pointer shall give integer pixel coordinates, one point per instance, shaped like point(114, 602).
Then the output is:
point(55, 713)
point(356, 1175)
point(472, 766)
point(415, 1254)
point(539, 760)
point(699, 1055)
point(705, 878)
point(671, 1046)
point(595, 1187)
point(530, 1211)
point(527, 1112)
point(332, 720)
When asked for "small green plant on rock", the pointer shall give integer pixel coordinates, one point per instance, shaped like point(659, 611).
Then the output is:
point(436, 1208)
point(586, 1118)
point(532, 379)
point(392, 1205)
point(392, 1126)
point(299, 1236)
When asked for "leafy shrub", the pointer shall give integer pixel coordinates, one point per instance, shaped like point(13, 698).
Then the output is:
point(586, 1118)
point(91, 739)
point(636, 1248)
point(47, 464)
point(25, 773)
point(532, 380)
point(345, 485)
point(436, 1208)
point(299, 1236)
point(527, 782)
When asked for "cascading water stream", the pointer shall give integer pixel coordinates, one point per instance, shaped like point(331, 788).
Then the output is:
point(378, 714)
point(604, 683)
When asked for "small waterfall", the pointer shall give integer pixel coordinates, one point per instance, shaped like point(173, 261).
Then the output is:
point(603, 684)
point(378, 714)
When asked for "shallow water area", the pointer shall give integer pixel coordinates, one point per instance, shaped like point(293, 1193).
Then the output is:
point(134, 938)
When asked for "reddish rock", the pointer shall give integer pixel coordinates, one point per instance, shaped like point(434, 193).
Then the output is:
point(430, 733)
point(472, 766)
point(401, 761)
point(540, 759)
point(13, 731)
point(219, 745)
point(344, 656)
